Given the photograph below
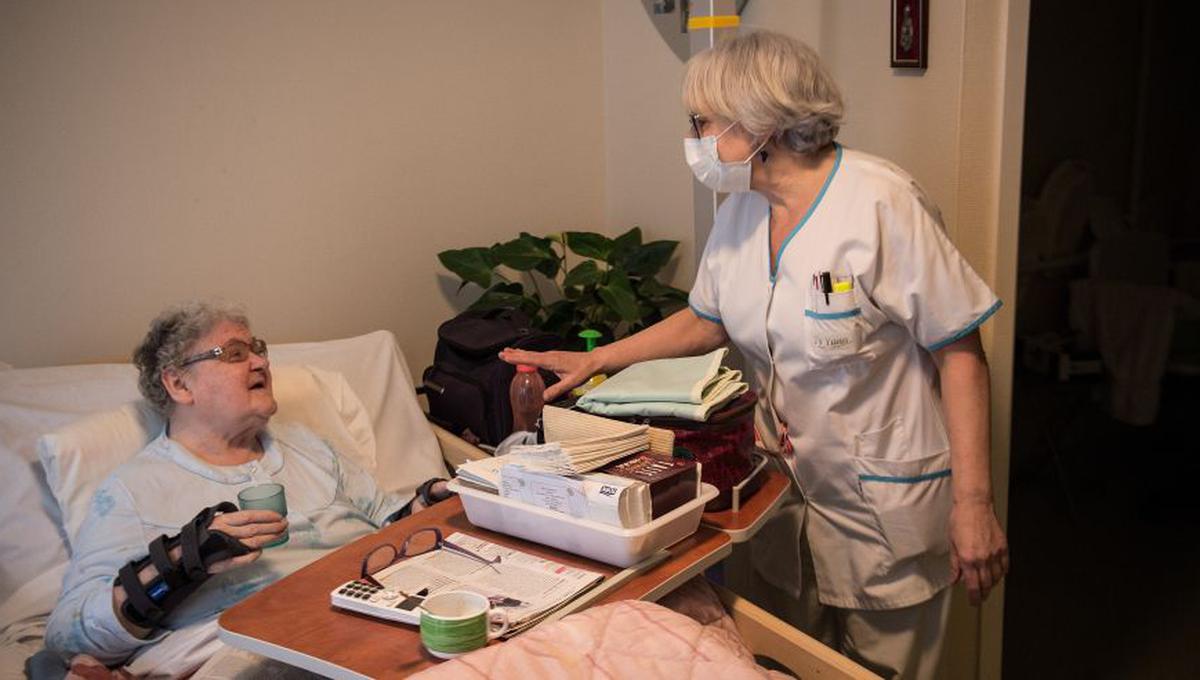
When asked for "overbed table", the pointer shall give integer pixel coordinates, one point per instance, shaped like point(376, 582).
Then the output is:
point(293, 621)
point(743, 523)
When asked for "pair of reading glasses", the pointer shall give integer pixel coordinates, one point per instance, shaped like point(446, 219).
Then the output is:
point(233, 352)
point(418, 542)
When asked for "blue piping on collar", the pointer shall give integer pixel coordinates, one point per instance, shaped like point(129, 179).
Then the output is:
point(778, 258)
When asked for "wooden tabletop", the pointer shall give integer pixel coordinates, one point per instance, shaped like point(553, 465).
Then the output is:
point(754, 511)
point(293, 620)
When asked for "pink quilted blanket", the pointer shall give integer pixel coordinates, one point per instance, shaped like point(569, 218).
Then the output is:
point(628, 639)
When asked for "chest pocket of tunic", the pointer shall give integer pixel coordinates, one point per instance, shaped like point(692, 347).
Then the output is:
point(834, 330)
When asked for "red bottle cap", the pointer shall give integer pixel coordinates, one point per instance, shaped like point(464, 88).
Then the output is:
point(526, 368)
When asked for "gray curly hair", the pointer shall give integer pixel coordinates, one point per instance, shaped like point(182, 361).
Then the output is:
point(167, 342)
point(770, 84)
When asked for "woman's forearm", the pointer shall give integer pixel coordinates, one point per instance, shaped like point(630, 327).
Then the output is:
point(978, 547)
point(966, 401)
point(681, 334)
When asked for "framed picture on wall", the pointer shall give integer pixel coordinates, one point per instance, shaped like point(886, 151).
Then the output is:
point(910, 33)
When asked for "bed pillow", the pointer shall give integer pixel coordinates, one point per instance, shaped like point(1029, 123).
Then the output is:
point(34, 401)
point(324, 402)
point(78, 456)
point(29, 538)
point(408, 453)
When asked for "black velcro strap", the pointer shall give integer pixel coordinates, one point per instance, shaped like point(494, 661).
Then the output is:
point(215, 545)
point(141, 610)
point(161, 559)
point(219, 546)
point(189, 540)
point(158, 555)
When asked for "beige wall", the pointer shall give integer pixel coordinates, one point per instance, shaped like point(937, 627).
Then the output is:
point(646, 180)
point(307, 158)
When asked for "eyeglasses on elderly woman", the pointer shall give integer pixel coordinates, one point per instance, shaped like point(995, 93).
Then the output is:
point(233, 352)
point(418, 542)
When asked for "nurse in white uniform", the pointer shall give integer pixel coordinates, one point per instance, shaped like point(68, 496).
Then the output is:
point(831, 272)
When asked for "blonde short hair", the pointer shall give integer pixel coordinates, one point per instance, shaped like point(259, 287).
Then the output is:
point(770, 84)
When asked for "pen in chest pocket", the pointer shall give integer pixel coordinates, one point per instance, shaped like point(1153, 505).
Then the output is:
point(826, 286)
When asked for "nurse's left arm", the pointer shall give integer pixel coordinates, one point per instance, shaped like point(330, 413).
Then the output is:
point(979, 549)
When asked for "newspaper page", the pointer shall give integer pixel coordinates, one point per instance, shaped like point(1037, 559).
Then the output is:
point(528, 587)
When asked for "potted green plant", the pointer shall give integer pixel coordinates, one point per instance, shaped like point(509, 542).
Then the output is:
point(609, 284)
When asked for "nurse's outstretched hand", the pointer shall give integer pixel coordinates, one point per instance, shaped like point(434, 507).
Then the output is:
point(572, 368)
point(978, 548)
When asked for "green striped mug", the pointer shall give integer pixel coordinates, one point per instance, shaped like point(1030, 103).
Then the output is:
point(459, 621)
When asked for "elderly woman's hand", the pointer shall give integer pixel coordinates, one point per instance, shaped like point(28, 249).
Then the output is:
point(254, 528)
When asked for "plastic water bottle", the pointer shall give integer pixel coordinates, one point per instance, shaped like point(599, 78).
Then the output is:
point(525, 393)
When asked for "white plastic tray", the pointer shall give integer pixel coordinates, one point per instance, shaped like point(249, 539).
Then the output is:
point(611, 545)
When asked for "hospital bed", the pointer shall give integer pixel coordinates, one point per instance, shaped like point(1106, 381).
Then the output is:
point(64, 428)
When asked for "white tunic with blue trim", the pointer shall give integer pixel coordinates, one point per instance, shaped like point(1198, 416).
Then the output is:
point(850, 376)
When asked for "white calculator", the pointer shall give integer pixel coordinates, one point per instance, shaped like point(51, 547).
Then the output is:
point(367, 598)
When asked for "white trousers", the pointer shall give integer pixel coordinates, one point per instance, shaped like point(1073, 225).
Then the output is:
point(903, 643)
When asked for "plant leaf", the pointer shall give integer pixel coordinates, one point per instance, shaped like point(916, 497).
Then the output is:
point(650, 258)
point(625, 244)
point(653, 289)
point(492, 300)
point(588, 244)
point(583, 274)
point(524, 253)
point(469, 264)
point(618, 296)
point(507, 295)
point(560, 317)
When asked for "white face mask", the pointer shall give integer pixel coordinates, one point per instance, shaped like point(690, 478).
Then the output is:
point(707, 166)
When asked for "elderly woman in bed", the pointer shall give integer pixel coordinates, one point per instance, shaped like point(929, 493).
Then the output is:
point(132, 595)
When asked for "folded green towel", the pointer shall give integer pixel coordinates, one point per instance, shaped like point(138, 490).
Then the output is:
point(688, 387)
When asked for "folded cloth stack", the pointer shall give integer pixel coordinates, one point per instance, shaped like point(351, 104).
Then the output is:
point(690, 387)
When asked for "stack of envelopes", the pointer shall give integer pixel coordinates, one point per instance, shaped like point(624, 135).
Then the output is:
point(575, 443)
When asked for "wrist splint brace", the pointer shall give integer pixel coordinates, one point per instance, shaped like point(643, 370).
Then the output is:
point(146, 605)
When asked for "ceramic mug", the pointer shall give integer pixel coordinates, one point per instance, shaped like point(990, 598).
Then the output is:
point(458, 621)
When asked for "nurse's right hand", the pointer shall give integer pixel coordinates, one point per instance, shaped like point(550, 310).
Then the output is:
point(572, 368)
